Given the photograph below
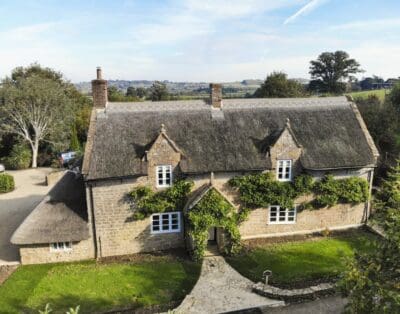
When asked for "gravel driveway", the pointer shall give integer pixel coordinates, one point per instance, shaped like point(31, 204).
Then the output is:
point(15, 206)
point(219, 289)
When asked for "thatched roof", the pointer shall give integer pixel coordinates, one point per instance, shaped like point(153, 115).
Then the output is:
point(237, 139)
point(61, 216)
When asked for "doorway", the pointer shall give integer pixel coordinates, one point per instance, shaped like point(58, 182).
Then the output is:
point(212, 247)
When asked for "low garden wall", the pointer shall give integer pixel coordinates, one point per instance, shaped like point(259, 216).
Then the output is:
point(294, 295)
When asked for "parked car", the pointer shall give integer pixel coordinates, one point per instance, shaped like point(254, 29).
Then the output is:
point(2, 168)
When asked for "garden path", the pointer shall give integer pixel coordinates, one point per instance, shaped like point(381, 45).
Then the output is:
point(220, 289)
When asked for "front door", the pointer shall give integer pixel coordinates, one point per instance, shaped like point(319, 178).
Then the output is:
point(211, 234)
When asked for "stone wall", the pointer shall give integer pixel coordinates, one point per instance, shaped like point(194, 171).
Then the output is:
point(41, 254)
point(117, 233)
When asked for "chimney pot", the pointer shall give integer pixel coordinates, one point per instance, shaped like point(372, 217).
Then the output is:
point(98, 72)
point(216, 95)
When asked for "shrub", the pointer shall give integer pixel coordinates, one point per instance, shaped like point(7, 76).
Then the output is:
point(6, 183)
point(20, 157)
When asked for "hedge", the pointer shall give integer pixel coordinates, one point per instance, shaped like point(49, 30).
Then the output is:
point(6, 183)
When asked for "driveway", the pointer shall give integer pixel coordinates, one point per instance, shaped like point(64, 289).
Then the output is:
point(220, 289)
point(328, 305)
point(29, 190)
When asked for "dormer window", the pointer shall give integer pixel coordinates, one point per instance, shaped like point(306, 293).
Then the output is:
point(164, 176)
point(284, 170)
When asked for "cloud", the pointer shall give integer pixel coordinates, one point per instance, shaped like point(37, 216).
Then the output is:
point(309, 7)
point(28, 32)
point(235, 8)
point(378, 24)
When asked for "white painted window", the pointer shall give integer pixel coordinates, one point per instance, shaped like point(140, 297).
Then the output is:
point(166, 222)
point(284, 170)
point(280, 215)
point(164, 176)
point(60, 246)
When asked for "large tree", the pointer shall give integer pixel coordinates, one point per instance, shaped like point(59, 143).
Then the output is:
point(330, 71)
point(36, 109)
point(159, 91)
point(277, 85)
point(372, 281)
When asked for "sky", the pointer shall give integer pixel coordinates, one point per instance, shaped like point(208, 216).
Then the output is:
point(197, 40)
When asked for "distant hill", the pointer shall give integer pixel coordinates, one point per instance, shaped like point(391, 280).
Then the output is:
point(183, 88)
point(190, 89)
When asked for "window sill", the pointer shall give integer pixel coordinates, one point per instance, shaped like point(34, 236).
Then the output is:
point(282, 223)
point(164, 232)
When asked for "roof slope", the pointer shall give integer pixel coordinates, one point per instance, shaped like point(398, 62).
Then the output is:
point(61, 216)
point(327, 129)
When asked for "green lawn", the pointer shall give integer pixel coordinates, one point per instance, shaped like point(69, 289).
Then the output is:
point(97, 286)
point(364, 94)
point(302, 261)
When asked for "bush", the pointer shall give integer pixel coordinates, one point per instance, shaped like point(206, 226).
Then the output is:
point(20, 157)
point(6, 183)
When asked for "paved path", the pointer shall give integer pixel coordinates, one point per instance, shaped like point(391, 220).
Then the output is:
point(328, 305)
point(16, 205)
point(221, 289)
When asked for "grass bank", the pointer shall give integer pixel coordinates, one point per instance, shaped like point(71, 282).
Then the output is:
point(301, 262)
point(98, 287)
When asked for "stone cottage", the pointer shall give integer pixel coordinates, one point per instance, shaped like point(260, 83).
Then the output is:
point(152, 143)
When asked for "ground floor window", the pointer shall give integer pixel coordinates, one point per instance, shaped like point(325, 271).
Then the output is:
point(280, 215)
point(166, 222)
point(60, 246)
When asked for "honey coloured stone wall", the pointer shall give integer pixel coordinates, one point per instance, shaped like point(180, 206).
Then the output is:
point(116, 232)
point(41, 253)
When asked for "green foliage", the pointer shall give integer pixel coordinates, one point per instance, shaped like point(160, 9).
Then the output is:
point(394, 96)
point(19, 158)
point(159, 91)
point(262, 190)
point(74, 141)
point(114, 94)
point(146, 202)
point(330, 69)
point(213, 210)
point(277, 85)
point(330, 191)
point(389, 194)
point(6, 183)
point(372, 281)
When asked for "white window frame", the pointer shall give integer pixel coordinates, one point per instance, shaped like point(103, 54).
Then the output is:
point(287, 214)
point(61, 246)
point(170, 216)
point(286, 169)
point(164, 171)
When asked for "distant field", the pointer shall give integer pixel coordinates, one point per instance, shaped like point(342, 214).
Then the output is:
point(364, 94)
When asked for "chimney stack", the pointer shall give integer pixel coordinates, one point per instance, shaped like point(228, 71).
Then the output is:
point(216, 95)
point(99, 90)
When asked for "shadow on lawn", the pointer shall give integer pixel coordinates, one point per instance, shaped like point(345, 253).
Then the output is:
point(63, 303)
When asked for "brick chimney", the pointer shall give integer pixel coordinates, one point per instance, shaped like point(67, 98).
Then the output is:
point(216, 95)
point(99, 90)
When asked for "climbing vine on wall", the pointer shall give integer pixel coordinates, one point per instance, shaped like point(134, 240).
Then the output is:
point(146, 202)
point(213, 210)
point(262, 190)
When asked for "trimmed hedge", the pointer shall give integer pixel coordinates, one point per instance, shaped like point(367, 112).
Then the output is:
point(6, 183)
point(20, 157)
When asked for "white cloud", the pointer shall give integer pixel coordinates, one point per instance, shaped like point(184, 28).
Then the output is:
point(369, 25)
point(309, 7)
point(28, 32)
point(174, 28)
point(235, 8)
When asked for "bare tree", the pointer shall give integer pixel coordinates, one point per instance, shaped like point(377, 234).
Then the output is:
point(36, 109)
